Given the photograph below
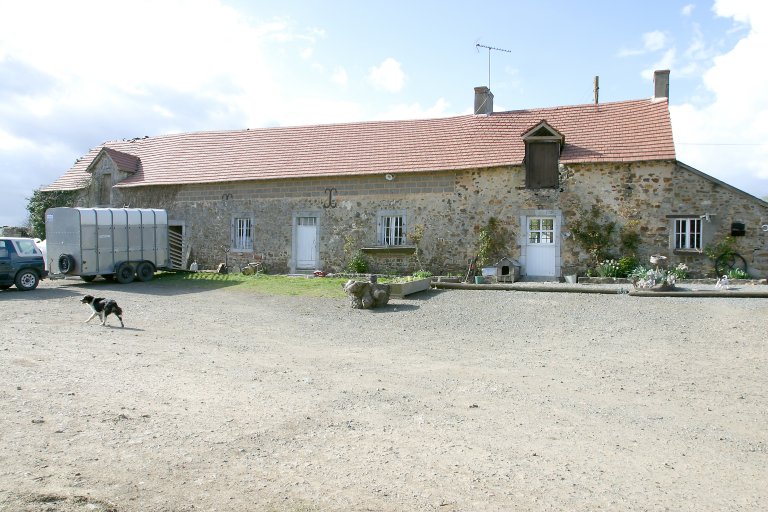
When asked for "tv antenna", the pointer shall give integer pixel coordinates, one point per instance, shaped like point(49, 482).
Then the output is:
point(489, 48)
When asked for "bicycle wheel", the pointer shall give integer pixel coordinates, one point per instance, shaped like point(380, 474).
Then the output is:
point(727, 262)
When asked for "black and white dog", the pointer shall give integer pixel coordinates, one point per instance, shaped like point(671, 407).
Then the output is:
point(103, 308)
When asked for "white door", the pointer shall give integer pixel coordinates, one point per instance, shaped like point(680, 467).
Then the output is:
point(306, 242)
point(540, 247)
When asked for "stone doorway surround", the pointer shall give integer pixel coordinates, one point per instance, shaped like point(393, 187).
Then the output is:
point(522, 240)
point(298, 235)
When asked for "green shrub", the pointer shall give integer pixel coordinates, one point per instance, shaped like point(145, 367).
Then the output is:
point(358, 263)
point(626, 265)
point(737, 273)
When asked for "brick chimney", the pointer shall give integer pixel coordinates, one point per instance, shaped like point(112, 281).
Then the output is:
point(661, 84)
point(483, 101)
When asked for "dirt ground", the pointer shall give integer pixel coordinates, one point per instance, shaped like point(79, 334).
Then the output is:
point(214, 398)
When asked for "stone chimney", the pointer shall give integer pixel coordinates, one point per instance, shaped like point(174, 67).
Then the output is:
point(483, 101)
point(661, 84)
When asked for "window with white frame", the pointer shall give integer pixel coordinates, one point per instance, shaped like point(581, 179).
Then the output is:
point(541, 230)
point(242, 234)
point(391, 227)
point(687, 234)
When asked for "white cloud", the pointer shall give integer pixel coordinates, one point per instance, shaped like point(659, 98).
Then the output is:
point(9, 142)
point(743, 11)
point(184, 48)
point(340, 77)
point(667, 61)
point(654, 41)
point(687, 10)
point(416, 111)
point(90, 71)
point(388, 76)
point(727, 137)
point(315, 110)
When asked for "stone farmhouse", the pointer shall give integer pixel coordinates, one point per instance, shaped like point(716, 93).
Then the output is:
point(307, 197)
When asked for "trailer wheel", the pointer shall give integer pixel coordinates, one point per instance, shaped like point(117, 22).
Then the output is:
point(145, 271)
point(87, 279)
point(125, 273)
point(66, 263)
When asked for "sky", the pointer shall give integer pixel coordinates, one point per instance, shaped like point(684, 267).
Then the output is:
point(77, 73)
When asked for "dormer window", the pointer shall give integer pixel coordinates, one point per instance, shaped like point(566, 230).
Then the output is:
point(543, 145)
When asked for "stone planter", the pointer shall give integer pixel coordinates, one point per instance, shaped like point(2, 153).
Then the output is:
point(400, 290)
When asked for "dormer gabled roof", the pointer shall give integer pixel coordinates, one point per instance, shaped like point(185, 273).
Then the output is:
point(123, 161)
point(626, 131)
point(543, 131)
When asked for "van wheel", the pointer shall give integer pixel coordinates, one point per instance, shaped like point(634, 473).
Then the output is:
point(27, 280)
point(66, 263)
point(87, 279)
point(145, 271)
point(125, 273)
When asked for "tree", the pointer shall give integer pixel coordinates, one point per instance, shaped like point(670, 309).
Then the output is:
point(41, 201)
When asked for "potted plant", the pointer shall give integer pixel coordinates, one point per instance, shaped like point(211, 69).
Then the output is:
point(570, 274)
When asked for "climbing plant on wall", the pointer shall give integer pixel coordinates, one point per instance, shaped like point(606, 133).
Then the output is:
point(594, 233)
point(491, 243)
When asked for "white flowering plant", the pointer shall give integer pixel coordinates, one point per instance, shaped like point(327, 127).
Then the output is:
point(643, 277)
point(680, 271)
point(608, 268)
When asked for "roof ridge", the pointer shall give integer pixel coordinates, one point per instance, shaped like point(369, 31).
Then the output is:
point(629, 130)
point(374, 122)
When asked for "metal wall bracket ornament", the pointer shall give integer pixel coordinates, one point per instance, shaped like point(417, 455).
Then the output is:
point(331, 198)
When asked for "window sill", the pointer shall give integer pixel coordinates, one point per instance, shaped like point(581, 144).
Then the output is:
point(390, 249)
point(688, 252)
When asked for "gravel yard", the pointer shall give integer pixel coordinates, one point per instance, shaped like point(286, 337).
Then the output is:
point(215, 398)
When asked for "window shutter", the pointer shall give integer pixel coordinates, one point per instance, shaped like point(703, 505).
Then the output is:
point(541, 169)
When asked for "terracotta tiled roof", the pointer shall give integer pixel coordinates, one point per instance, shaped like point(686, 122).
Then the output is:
point(626, 131)
point(124, 161)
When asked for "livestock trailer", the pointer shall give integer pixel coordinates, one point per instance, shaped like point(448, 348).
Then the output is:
point(119, 243)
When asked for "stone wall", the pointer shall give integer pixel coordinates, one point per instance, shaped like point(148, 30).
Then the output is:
point(454, 206)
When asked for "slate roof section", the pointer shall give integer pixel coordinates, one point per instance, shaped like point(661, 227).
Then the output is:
point(627, 131)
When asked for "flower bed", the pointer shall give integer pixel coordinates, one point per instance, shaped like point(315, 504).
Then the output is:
point(402, 286)
point(661, 279)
